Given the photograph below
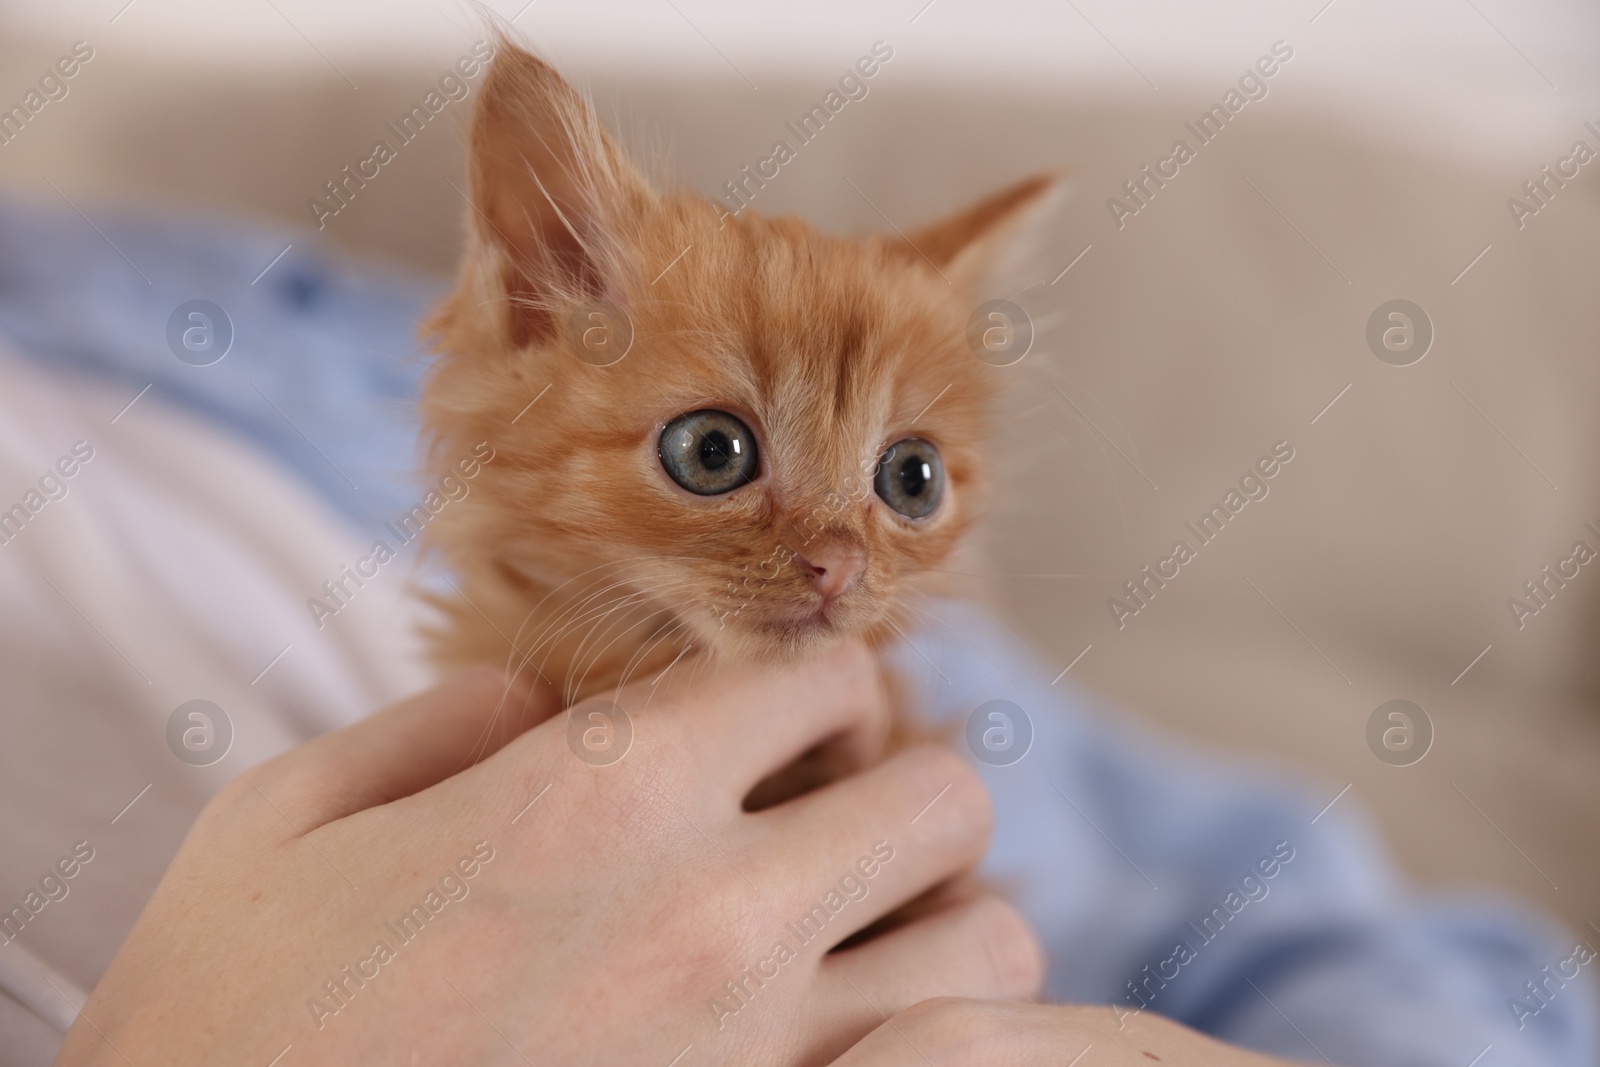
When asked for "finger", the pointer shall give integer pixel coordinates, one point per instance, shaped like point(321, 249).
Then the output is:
point(853, 851)
point(748, 721)
point(975, 1032)
point(987, 1033)
point(980, 948)
point(404, 748)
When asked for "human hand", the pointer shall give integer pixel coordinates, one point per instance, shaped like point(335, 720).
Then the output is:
point(970, 1033)
point(443, 883)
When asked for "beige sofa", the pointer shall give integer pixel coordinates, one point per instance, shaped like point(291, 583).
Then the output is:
point(1222, 318)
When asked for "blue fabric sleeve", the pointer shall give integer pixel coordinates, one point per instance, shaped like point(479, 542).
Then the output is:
point(324, 363)
point(1210, 892)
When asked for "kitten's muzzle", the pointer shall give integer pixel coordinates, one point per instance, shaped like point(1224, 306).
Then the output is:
point(834, 564)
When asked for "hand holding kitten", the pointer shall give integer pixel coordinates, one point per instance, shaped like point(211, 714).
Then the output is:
point(446, 882)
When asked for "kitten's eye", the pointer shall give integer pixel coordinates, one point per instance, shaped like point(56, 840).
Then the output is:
point(911, 477)
point(708, 452)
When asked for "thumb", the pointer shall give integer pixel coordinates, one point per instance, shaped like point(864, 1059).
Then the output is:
point(405, 747)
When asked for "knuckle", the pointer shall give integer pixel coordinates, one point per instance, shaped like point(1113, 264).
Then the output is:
point(716, 906)
point(1015, 962)
point(231, 796)
point(866, 709)
point(948, 1027)
point(273, 776)
point(705, 933)
point(631, 801)
point(244, 799)
point(967, 808)
point(930, 763)
point(671, 764)
point(519, 697)
point(969, 789)
point(665, 720)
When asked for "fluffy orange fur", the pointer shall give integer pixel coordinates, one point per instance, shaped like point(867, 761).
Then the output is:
point(577, 556)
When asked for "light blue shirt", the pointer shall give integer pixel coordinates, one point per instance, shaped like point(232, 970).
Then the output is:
point(1163, 880)
point(1158, 878)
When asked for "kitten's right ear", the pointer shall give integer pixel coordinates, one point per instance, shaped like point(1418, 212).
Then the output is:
point(554, 199)
point(973, 243)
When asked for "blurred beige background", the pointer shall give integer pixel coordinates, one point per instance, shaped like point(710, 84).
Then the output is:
point(1222, 318)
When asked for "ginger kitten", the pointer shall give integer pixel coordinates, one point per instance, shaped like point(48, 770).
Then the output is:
point(750, 439)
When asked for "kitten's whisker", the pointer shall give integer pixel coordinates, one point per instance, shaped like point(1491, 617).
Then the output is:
point(574, 613)
point(581, 612)
point(708, 661)
point(677, 624)
point(480, 747)
point(606, 619)
point(558, 634)
point(915, 649)
point(570, 616)
point(641, 584)
point(534, 610)
point(653, 592)
point(688, 646)
point(665, 670)
point(642, 655)
point(643, 620)
point(958, 634)
point(579, 576)
point(616, 611)
point(579, 623)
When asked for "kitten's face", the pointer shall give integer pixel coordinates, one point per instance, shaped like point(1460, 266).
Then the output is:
point(791, 443)
point(734, 452)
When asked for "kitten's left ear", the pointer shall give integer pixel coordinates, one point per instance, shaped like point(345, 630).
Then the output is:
point(554, 198)
point(971, 244)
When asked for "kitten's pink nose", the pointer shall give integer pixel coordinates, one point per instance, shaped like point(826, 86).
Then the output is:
point(834, 565)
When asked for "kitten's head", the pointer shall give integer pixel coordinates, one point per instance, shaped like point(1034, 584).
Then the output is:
point(734, 426)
